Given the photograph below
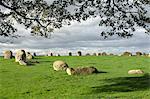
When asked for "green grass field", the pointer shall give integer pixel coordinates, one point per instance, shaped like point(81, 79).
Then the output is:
point(40, 81)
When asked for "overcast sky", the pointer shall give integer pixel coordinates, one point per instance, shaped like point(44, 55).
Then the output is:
point(84, 36)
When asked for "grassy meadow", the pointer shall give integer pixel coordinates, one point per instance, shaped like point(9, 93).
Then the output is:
point(40, 81)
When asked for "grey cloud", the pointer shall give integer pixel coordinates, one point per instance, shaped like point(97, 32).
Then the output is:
point(79, 36)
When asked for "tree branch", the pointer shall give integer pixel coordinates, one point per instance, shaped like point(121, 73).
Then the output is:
point(18, 13)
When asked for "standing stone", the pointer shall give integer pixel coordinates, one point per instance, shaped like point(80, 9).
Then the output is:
point(94, 54)
point(29, 56)
point(34, 54)
point(8, 54)
point(20, 55)
point(104, 54)
point(111, 54)
point(70, 54)
point(138, 71)
point(149, 55)
point(51, 54)
point(138, 54)
point(60, 65)
point(127, 54)
point(87, 54)
point(79, 53)
point(99, 54)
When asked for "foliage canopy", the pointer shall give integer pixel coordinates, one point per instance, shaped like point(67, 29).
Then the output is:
point(121, 16)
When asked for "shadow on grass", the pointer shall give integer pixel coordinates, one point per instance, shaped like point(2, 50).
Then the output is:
point(35, 57)
point(3, 70)
point(101, 72)
point(32, 63)
point(124, 84)
point(45, 61)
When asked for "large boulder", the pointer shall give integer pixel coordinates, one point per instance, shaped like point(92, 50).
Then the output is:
point(60, 65)
point(21, 57)
point(81, 71)
point(138, 71)
point(21, 62)
point(29, 56)
point(7, 54)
